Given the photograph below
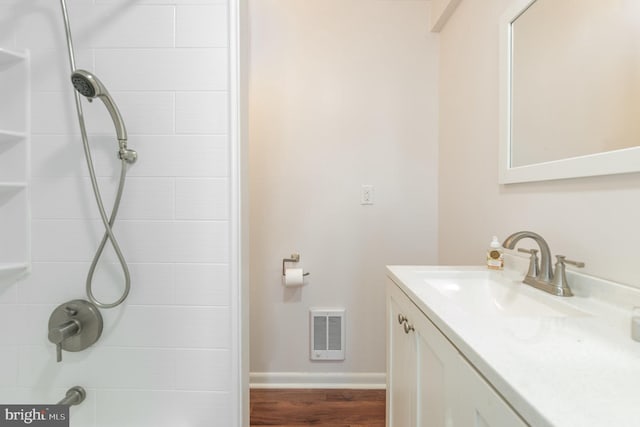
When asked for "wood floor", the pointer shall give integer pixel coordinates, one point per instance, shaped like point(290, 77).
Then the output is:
point(317, 407)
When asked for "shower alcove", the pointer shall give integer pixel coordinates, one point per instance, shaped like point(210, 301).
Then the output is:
point(15, 214)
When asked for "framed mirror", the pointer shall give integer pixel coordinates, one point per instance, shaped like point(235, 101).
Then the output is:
point(569, 89)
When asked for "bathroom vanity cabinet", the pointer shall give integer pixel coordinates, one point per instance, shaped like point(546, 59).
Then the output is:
point(429, 382)
point(14, 162)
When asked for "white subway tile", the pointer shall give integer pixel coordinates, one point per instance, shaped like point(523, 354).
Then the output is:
point(146, 198)
point(133, 368)
point(164, 69)
point(206, 370)
point(202, 26)
point(205, 156)
point(189, 330)
point(64, 240)
point(130, 367)
point(8, 367)
point(8, 294)
point(103, 25)
point(142, 113)
point(12, 162)
point(106, 26)
point(181, 156)
point(53, 283)
point(53, 113)
point(38, 363)
point(138, 326)
point(202, 284)
point(16, 395)
point(170, 327)
point(58, 156)
point(8, 40)
point(151, 284)
point(30, 321)
point(50, 69)
point(144, 242)
point(62, 198)
point(202, 199)
point(9, 315)
point(163, 409)
point(202, 112)
point(201, 242)
point(40, 25)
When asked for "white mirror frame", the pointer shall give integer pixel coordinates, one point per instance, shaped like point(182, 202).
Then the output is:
point(606, 163)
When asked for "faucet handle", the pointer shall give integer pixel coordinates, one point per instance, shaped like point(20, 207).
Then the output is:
point(564, 259)
point(528, 251)
point(560, 278)
point(534, 268)
point(61, 332)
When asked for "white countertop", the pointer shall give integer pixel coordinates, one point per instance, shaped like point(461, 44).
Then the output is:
point(554, 371)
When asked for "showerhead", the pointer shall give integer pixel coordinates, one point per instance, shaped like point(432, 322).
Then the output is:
point(91, 87)
point(86, 83)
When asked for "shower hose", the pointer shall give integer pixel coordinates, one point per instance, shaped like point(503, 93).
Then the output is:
point(107, 222)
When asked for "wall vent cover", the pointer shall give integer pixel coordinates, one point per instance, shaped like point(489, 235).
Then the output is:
point(327, 334)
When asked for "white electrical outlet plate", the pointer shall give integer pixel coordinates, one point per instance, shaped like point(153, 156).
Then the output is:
point(366, 194)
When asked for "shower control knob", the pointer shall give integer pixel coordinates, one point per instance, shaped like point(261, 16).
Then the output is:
point(74, 326)
point(60, 333)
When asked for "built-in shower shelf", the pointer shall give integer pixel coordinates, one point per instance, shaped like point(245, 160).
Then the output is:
point(12, 268)
point(15, 141)
point(12, 186)
point(8, 57)
point(11, 136)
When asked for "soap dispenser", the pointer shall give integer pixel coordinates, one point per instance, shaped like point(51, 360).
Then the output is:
point(495, 258)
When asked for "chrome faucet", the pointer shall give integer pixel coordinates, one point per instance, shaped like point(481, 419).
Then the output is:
point(545, 279)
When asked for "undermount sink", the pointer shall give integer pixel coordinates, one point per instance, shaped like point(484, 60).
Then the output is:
point(494, 294)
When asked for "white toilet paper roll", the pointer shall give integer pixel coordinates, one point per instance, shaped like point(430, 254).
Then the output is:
point(293, 277)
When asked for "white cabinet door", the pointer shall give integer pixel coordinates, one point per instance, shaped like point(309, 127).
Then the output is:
point(429, 383)
point(481, 405)
point(419, 359)
point(436, 361)
point(401, 368)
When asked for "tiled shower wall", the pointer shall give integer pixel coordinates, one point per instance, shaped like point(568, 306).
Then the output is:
point(165, 356)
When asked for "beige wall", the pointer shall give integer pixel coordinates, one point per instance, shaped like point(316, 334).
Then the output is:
point(595, 220)
point(342, 93)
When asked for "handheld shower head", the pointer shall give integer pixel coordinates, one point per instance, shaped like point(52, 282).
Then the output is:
point(91, 87)
point(87, 84)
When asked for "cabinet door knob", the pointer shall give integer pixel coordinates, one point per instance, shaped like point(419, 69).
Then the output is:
point(402, 318)
point(408, 328)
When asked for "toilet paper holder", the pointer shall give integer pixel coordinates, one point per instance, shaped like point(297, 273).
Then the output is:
point(294, 258)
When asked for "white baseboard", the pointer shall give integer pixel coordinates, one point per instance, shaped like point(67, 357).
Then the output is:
point(369, 380)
